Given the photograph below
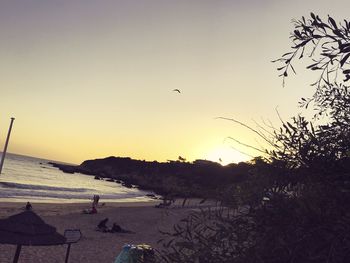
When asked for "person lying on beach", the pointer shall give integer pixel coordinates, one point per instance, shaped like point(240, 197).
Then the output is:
point(115, 228)
point(93, 210)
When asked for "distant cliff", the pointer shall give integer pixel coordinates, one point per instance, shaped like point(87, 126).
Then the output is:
point(200, 178)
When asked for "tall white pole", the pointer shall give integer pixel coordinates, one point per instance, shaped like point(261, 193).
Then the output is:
point(6, 144)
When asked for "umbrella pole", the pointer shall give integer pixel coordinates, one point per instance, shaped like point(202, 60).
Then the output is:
point(18, 250)
point(67, 254)
point(6, 144)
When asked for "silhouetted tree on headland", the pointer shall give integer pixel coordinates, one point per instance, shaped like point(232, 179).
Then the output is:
point(181, 159)
point(295, 207)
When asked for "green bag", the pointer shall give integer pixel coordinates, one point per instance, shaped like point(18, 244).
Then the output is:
point(136, 254)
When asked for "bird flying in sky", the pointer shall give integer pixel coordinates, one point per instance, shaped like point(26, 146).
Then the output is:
point(177, 90)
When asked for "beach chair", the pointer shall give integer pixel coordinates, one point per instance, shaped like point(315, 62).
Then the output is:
point(165, 204)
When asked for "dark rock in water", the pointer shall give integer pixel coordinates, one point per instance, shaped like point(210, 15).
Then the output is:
point(110, 180)
point(118, 181)
point(150, 195)
point(70, 169)
point(97, 178)
point(128, 185)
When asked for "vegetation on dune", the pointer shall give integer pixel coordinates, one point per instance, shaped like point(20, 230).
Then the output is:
point(294, 205)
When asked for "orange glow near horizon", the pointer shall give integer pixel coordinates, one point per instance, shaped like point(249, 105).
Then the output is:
point(226, 155)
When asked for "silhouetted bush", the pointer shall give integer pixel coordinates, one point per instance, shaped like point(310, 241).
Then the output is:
point(294, 206)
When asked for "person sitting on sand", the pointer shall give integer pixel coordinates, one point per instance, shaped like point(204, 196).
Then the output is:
point(117, 229)
point(102, 225)
point(29, 206)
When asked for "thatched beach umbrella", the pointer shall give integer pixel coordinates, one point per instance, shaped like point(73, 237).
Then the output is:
point(28, 229)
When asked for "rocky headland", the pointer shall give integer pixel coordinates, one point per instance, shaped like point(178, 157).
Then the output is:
point(200, 178)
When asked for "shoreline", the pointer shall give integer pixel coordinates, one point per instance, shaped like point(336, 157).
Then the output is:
point(43, 206)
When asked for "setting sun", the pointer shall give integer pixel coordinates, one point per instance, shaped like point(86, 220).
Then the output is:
point(225, 155)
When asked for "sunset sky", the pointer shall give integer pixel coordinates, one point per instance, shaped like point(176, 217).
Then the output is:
point(88, 79)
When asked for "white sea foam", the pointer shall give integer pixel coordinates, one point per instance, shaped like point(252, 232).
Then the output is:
point(31, 179)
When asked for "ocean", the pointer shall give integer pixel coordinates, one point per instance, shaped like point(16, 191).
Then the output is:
point(25, 178)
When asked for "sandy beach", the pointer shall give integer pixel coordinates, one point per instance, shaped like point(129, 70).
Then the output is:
point(140, 217)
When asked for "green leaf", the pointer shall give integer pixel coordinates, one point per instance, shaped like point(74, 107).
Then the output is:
point(332, 22)
point(297, 33)
point(285, 54)
point(292, 68)
point(338, 33)
point(344, 59)
point(316, 68)
point(303, 43)
point(343, 46)
point(312, 65)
